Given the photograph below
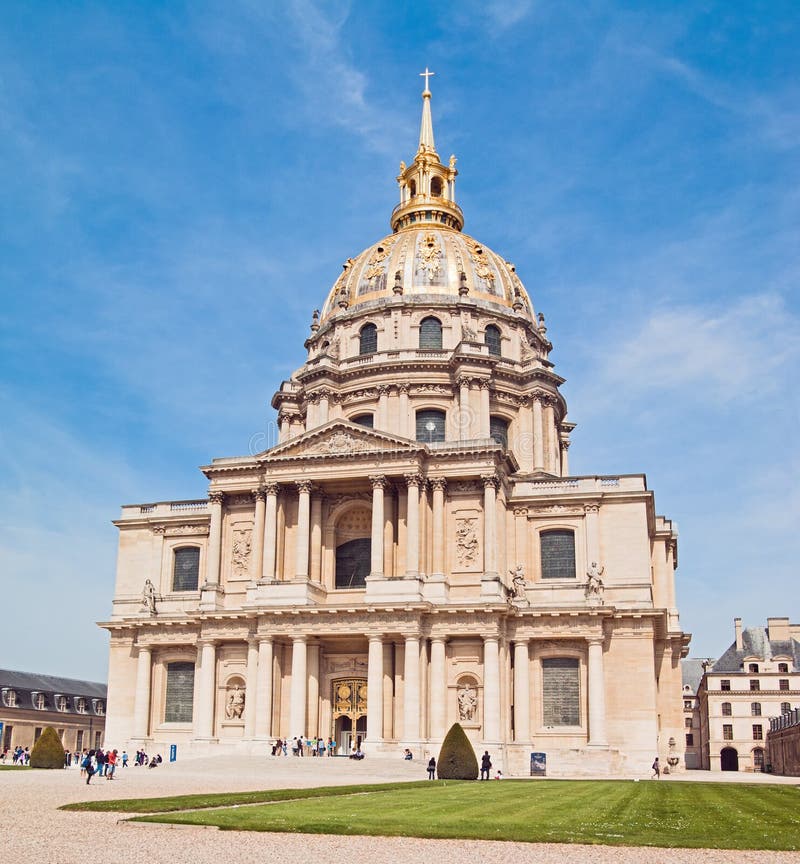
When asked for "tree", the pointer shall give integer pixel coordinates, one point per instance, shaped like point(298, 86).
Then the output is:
point(47, 751)
point(457, 759)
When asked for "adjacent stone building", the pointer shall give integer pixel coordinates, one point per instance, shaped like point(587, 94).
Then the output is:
point(755, 681)
point(29, 703)
point(414, 550)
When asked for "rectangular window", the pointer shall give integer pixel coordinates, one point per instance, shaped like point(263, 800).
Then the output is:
point(758, 732)
point(186, 574)
point(727, 711)
point(98, 738)
point(753, 667)
point(61, 735)
point(783, 684)
point(79, 740)
point(558, 554)
point(37, 733)
point(687, 704)
point(755, 709)
point(689, 739)
point(561, 691)
point(687, 722)
point(727, 732)
point(783, 667)
point(180, 693)
point(755, 684)
point(725, 684)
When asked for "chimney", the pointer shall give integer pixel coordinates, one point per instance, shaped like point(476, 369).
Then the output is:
point(737, 624)
point(778, 629)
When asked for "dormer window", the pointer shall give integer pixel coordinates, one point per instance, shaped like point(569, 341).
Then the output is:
point(99, 708)
point(39, 701)
point(80, 705)
point(9, 697)
point(61, 703)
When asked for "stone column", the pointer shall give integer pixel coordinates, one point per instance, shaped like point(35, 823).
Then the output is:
point(312, 400)
point(215, 500)
point(523, 445)
point(375, 690)
point(491, 689)
point(312, 704)
point(403, 390)
point(141, 703)
point(464, 410)
point(550, 432)
point(565, 458)
point(264, 688)
point(257, 553)
point(388, 533)
point(378, 485)
point(324, 407)
point(438, 695)
point(597, 694)
point(538, 433)
point(270, 531)
point(285, 428)
point(438, 484)
point(522, 692)
point(411, 689)
point(413, 481)
point(383, 408)
point(297, 699)
point(483, 428)
point(303, 525)
point(207, 649)
point(316, 537)
point(490, 483)
point(251, 686)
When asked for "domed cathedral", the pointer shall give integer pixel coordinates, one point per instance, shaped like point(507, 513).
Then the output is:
point(413, 552)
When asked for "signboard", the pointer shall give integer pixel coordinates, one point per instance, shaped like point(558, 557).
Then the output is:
point(1, 734)
point(538, 764)
point(173, 752)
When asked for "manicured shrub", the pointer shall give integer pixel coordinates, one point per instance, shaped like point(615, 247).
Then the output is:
point(457, 758)
point(47, 751)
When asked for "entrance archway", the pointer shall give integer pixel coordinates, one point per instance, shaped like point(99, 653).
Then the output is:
point(729, 759)
point(349, 720)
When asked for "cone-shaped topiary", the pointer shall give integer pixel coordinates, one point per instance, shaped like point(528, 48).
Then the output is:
point(457, 758)
point(47, 751)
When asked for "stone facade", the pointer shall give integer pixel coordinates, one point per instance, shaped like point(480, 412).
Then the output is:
point(29, 703)
point(413, 551)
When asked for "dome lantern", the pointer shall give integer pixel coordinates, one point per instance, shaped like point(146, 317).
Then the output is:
point(427, 187)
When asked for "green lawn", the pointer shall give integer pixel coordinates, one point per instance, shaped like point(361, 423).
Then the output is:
point(615, 813)
point(15, 767)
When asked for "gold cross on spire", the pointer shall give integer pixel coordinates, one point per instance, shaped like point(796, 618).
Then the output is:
point(426, 75)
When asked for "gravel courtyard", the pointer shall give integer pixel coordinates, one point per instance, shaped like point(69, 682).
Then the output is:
point(36, 831)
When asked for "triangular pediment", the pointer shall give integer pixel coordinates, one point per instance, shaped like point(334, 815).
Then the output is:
point(340, 438)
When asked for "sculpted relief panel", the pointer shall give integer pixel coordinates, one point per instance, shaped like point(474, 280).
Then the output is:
point(240, 550)
point(467, 541)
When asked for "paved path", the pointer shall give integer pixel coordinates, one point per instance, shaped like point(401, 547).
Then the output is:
point(36, 832)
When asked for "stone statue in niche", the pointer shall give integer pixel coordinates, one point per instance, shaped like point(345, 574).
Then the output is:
point(516, 593)
point(234, 703)
point(467, 703)
point(594, 584)
point(149, 597)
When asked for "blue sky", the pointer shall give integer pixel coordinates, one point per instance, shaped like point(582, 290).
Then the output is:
point(180, 183)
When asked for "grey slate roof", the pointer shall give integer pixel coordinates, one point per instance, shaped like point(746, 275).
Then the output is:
point(692, 672)
point(756, 643)
point(52, 684)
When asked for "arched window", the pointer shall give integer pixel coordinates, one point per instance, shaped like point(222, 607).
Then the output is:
point(726, 709)
point(186, 570)
point(430, 334)
point(557, 554)
point(436, 187)
point(758, 759)
point(491, 337)
point(368, 339)
point(498, 430)
point(353, 560)
point(413, 187)
point(180, 693)
point(430, 426)
point(365, 420)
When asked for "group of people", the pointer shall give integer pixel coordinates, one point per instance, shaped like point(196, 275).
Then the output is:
point(304, 747)
point(20, 756)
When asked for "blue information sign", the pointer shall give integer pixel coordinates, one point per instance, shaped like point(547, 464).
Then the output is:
point(173, 752)
point(538, 764)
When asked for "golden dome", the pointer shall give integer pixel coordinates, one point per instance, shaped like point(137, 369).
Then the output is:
point(428, 261)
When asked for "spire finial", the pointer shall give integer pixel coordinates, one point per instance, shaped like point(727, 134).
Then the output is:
point(426, 144)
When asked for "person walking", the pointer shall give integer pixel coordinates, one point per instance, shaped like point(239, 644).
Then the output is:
point(656, 769)
point(486, 765)
point(432, 768)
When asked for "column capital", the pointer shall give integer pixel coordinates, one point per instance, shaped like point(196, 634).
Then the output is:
point(565, 442)
point(304, 486)
point(484, 384)
point(438, 483)
point(376, 637)
point(490, 480)
point(271, 487)
point(301, 639)
point(595, 640)
point(259, 494)
point(313, 398)
point(414, 479)
point(438, 638)
point(144, 649)
point(523, 640)
point(383, 389)
point(491, 637)
point(591, 508)
point(264, 640)
point(216, 498)
point(378, 481)
point(203, 642)
point(463, 381)
point(403, 388)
